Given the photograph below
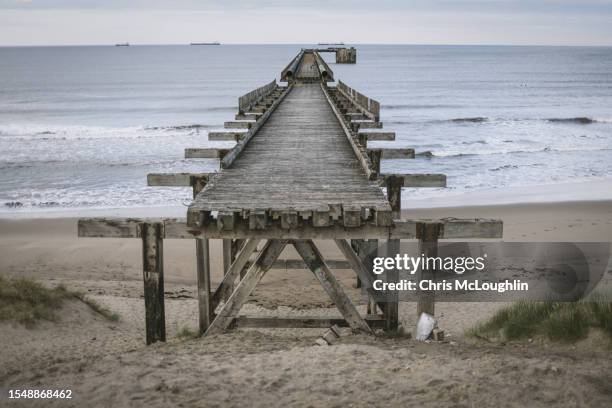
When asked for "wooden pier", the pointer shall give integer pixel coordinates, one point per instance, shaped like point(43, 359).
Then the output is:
point(301, 170)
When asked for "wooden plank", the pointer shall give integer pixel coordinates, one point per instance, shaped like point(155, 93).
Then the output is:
point(393, 153)
point(242, 231)
point(417, 180)
point(177, 228)
point(176, 179)
point(225, 288)
point(248, 116)
point(299, 264)
point(308, 322)
point(230, 309)
point(312, 257)
point(377, 136)
point(366, 124)
point(205, 153)
point(153, 277)
point(109, 227)
point(226, 136)
point(241, 145)
point(239, 124)
point(451, 228)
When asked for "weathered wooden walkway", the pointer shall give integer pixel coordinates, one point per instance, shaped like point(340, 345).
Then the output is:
point(300, 160)
point(301, 169)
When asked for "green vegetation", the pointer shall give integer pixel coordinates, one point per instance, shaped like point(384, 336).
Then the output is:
point(558, 321)
point(26, 301)
point(186, 333)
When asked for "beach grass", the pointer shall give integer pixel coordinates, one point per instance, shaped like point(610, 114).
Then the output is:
point(26, 301)
point(186, 333)
point(565, 322)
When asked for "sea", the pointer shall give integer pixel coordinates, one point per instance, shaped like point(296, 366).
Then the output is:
point(81, 126)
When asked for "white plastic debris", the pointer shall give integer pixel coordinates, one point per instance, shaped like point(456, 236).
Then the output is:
point(425, 326)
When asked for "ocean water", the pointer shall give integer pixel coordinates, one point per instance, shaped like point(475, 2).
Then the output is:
point(80, 127)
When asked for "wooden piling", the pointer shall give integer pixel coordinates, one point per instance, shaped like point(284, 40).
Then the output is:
point(394, 195)
point(428, 233)
point(153, 275)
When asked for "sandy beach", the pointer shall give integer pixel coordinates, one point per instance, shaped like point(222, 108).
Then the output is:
point(107, 364)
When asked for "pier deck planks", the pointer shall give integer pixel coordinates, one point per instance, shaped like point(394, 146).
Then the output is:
point(299, 160)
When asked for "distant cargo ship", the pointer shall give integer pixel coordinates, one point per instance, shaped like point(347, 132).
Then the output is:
point(122, 45)
point(205, 43)
point(340, 43)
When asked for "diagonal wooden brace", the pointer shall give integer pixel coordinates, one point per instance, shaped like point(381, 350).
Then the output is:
point(311, 255)
point(230, 309)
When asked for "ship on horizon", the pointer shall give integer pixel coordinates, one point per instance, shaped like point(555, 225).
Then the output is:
point(206, 43)
point(122, 44)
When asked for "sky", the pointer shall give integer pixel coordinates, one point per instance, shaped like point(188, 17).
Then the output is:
point(521, 22)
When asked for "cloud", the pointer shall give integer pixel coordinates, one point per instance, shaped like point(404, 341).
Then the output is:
point(273, 21)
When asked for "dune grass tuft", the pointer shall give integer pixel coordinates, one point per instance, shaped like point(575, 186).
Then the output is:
point(26, 301)
point(565, 322)
point(186, 333)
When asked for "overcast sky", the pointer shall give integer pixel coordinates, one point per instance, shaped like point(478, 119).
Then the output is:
point(59, 22)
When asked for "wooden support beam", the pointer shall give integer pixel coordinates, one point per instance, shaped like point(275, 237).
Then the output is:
point(227, 261)
point(366, 124)
point(226, 136)
point(394, 195)
point(230, 309)
point(153, 276)
point(248, 116)
point(177, 179)
point(428, 234)
point(225, 288)
point(377, 136)
point(205, 153)
point(241, 124)
point(203, 278)
point(307, 322)
point(176, 228)
point(451, 228)
point(299, 264)
point(415, 180)
point(365, 274)
point(393, 153)
point(311, 255)
point(391, 307)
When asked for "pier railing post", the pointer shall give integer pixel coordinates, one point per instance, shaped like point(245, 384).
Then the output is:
point(428, 233)
point(153, 275)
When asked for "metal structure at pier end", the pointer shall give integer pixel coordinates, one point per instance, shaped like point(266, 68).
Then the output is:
point(301, 170)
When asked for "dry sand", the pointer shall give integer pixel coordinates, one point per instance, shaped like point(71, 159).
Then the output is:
point(106, 363)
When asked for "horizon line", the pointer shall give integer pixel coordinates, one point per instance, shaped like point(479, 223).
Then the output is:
point(111, 44)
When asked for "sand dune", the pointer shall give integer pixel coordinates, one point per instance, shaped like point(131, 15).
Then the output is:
point(107, 364)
